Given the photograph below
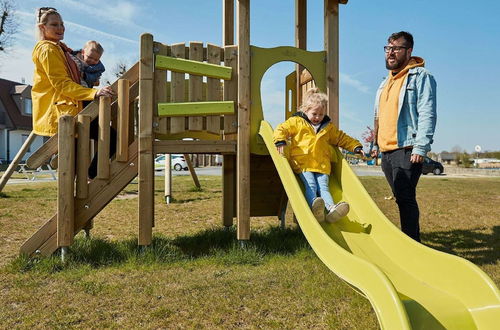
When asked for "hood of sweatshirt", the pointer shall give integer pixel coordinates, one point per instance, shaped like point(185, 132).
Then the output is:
point(414, 62)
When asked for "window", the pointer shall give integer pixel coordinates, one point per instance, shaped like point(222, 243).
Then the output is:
point(24, 137)
point(27, 106)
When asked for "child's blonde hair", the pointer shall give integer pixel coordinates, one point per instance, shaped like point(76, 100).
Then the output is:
point(313, 98)
point(94, 45)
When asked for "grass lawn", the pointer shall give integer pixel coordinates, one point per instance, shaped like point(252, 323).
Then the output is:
point(196, 275)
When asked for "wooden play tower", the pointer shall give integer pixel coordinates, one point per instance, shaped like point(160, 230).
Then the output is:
point(157, 108)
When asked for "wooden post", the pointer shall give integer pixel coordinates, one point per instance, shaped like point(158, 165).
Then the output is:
point(104, 138)
point(82, 155)
point(243, 152)
point(213, 89)
point(177, 93)
point(331, 27)
point(146, 161)
point(228, 22)
point(300, 41)
point(168, 178)
point(17, 159)
point(123, 120)
point(66, 181)
point(195, 92)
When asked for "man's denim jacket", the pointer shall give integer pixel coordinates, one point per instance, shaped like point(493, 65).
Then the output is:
point(416, 112)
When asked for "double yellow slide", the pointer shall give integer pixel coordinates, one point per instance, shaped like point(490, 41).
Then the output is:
point(409, 285)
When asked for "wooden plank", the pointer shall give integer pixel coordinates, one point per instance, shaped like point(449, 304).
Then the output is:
point(331, 35)
point(228, 22)
point(243, 153)
point(161, 88)
point(195, 85)
point(195, 108)
point(177, 125)
point(230, 91)
point(300, 39)
point(214, 91)
point(146, 137)
point(49, 148)
point(192, 67)
point(123, 120)
point(104, 138)
point(17, 159)
point(82, 155)
point(65, 181)
point(228, 189)
point(192, 171)
point(195, 147)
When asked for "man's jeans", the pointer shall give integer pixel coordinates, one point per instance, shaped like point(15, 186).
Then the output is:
point(403, 176)
point(316, 184)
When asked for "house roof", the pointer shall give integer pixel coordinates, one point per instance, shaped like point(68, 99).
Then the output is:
point(7, 89)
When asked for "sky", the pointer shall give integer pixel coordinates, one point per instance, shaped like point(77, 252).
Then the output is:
point(459, 41)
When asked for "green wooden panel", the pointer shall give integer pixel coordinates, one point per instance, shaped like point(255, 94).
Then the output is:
point(195, 109)
point(193, 67)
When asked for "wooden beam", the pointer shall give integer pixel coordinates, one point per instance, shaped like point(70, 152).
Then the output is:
point(192, 67)
point(195, 91)
point(82, 155)
point(177, 90)
point(123, 120)
point(228, 22)
point(65, 182)
point(214, 87)
point(300, 41)
point(195, 147)
point(331, 33)
point(146, 160)
point(104, 138)
point(230, 92)
point(17, 159)
point(186, 109)
point(243, 153)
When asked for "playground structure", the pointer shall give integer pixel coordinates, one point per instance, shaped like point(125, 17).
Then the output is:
point(408, 284)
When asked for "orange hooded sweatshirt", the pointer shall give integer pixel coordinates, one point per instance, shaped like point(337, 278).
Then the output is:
point(389, 106)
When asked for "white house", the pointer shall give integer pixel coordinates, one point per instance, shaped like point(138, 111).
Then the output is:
point(15, 119)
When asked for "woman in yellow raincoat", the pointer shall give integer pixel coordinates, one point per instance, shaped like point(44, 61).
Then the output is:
point(56, 87)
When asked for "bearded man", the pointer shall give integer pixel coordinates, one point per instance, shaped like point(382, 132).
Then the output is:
point(405, 120)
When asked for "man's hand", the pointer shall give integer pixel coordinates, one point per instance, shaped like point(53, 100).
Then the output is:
point(416, 158)
point(281, 149)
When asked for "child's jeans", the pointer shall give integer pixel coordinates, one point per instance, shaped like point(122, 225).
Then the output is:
point(316, 184)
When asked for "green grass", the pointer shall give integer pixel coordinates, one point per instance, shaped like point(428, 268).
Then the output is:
point(196, 274)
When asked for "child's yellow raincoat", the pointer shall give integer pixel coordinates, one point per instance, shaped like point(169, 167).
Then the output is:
point(311, 151)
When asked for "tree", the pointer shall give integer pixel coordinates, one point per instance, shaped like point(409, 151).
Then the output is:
point(368, 136)
point(118, 71)
point(8, 24)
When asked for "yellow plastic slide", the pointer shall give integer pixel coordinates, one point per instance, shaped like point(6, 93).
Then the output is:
point(409, 285)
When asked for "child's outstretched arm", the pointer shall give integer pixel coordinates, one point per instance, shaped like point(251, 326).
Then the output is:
point(282, 132)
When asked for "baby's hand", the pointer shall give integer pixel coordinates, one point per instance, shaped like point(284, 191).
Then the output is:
point(281, 150)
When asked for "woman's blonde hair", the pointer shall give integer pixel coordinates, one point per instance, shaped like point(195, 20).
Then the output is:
point(42, 17)
point(313, 98)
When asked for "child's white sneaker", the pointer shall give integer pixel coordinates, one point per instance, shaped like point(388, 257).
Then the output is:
point(337, 212)
point(318, 208)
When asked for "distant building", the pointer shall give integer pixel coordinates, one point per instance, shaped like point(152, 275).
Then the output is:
point(447, 157)
point(15, 119)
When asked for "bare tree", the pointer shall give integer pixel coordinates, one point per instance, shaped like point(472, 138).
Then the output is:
point(118, 71)
point(8, 24)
